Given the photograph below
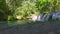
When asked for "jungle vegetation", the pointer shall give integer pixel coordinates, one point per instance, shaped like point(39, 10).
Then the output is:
point(10, 9)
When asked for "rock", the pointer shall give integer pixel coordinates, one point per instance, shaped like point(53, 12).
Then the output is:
point(45, 17)
point(36, 17)
point(56, 15)
point(48, 16)
point(40, 17)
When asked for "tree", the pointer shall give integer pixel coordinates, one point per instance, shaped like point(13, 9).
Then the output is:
point(27, 7)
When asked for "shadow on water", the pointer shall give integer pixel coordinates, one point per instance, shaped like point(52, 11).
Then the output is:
point(13, 23)
point(20, 22)
point(3, 23)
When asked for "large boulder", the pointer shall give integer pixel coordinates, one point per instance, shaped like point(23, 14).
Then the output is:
point(48, 16)
point(40, 17)
point(56, 15)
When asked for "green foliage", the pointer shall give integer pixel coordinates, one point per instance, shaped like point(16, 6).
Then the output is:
point(3, 12)
point(48, 5)
point(26, 9)
point(2, 4)
point(11, 5)
point(11, 18)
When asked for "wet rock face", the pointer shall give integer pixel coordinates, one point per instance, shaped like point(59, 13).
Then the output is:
point(43, 17)
point(56, 15)
point(49, 16)
point(35, 17)
point(38, 17)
